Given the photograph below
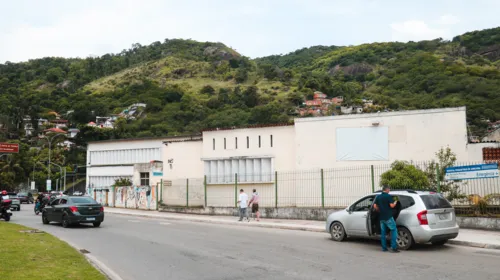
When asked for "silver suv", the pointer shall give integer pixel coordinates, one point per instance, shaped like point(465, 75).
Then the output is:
point(421, 217)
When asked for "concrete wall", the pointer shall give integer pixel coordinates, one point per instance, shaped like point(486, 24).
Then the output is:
point(319, 214)
point(133, 197)
point(413, 135)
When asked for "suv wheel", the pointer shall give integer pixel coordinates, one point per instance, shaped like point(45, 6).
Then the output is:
point(405, 239)
point(45, 221)
point(337, 231)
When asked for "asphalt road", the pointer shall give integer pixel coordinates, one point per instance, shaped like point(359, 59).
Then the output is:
point(144, 248)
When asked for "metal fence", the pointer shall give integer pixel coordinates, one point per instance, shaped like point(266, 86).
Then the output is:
point(325, 188)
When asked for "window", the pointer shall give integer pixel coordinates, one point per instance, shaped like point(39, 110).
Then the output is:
point(224, 143)
point(236, 142)
point(144, 178)
point(213, 143)
point(435, 201)
point(259, 141)
point(83, 200)
point(249, 170)
point(54, 202)
point(63, 201)
point(248, 142)
point(363, 205)
point(271, 139)
point(406, 201)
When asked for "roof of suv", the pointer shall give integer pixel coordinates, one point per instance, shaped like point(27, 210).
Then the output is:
point(410, 192)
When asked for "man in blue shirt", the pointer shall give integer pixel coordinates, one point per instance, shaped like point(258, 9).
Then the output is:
point(384, 204)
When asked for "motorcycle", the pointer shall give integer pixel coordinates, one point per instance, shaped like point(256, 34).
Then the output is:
point(5, 212)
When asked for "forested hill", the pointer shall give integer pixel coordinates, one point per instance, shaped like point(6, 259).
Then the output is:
point(189, 85)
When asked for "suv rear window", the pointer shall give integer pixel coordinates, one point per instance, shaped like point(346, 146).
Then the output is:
point(83, 200)
point(435, 201)
point(406, 201)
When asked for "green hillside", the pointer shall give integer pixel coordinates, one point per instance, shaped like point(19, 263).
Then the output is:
point(189, 85)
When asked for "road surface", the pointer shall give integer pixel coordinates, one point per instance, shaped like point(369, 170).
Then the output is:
point(145, 248)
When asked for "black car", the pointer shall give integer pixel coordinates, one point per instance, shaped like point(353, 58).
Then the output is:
point(72, 210)
point(25, 198)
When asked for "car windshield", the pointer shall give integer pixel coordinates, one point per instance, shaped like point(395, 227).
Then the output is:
point(22, 194)
point(83, 200)
point(435, 201)
point(12, 196)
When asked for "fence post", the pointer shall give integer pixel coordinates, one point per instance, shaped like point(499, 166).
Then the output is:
point(205, 186)
point(235, 189)
point(187, 192)
point(438, 180)
point(322, 189)
point(276, 189)
point(373, 179)
point(161, 190)
point(157, 198)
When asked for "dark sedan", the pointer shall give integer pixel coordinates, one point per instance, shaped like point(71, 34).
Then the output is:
point(25, 198)
point(72, 210)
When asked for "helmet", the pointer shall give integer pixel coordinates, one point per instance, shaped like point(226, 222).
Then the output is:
point(4, 192)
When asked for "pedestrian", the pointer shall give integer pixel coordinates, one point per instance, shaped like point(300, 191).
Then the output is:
point(384, 204)
point(243, 201)
point(254, 201)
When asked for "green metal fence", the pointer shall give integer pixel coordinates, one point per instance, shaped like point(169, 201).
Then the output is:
point(324, 188)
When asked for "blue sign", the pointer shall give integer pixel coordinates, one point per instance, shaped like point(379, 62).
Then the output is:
point(478, 171)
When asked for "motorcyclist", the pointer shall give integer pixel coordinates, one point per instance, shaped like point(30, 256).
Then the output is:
point(41, 200)
point(4, 195)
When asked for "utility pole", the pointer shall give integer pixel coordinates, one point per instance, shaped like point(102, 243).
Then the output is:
point(49, 139)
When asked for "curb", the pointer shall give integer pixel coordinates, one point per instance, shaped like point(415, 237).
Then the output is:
point(289, 227)
point(254, 224)
point(474, 244)
point(106, 271)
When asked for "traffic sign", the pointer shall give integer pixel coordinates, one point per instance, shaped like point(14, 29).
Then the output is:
point(32, 185)
point(49, 185)
point(478, 171)
point(10, 148)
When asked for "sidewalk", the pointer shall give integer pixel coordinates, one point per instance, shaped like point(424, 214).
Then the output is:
point(466, 237)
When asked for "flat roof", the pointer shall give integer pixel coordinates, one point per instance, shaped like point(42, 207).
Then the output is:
point(382, 114)
point(165, 138)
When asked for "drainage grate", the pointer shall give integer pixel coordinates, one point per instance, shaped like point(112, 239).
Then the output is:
point(83, 251)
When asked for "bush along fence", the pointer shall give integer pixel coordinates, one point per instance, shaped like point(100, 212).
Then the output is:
point(333, 188)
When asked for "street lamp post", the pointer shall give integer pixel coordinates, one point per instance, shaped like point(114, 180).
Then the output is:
point(60, 173)
point(49, 139)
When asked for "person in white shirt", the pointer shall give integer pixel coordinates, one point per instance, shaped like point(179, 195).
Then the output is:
point(243, 201)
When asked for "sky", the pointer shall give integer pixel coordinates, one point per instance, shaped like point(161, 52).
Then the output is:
point(65, 28)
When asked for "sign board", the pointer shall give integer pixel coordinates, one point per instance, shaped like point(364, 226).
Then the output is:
point(167, 183)
point(157, 168)
point(49, 185)
point(32, 185)
point(478, 171)
point(9, 148)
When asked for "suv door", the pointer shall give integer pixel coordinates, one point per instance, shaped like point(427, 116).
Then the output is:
point(51, 209)
point(358, 213)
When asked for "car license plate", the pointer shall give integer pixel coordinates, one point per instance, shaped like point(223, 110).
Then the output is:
point(90, 219)
point(443, 216)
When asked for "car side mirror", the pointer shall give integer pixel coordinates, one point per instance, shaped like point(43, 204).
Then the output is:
point(349, 210)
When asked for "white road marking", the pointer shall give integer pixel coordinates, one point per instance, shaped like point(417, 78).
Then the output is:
point(165, 223)
point(134, 221)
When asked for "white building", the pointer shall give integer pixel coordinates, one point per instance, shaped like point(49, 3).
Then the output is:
point(113, 159)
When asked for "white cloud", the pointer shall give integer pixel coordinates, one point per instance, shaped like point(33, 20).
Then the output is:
point(448, 20)
point(416, 30)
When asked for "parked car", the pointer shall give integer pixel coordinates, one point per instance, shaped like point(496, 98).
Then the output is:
point(78, 193)
point(71, 210)
point(16, 203)
point(421, 217)
point(26, 198)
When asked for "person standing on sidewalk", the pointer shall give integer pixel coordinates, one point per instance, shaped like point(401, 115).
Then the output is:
point(243, 201)
point(254, 201)
point(384, 204)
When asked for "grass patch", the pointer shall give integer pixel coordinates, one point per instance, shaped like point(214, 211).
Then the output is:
point(40, 256)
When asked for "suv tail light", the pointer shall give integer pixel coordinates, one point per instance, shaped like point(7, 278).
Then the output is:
point(422, 218)
point(73, 209)
point(102, 209)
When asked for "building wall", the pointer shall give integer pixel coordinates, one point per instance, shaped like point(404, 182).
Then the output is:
point(475, 150)
point(183, 168)
point(109, 160)
point(413, 135)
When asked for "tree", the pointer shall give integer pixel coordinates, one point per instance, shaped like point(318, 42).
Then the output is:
point(404, 175)
point(436, 172)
